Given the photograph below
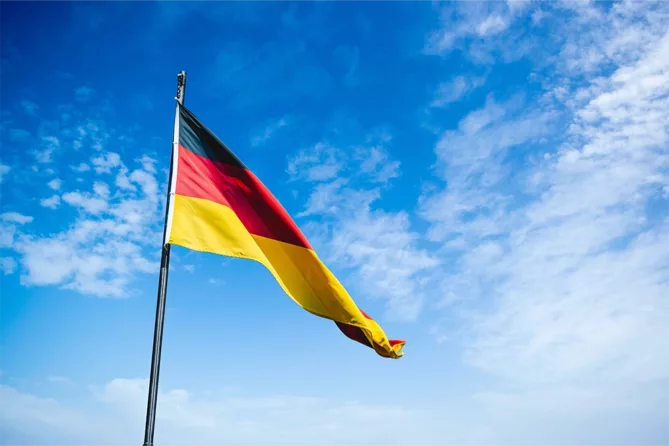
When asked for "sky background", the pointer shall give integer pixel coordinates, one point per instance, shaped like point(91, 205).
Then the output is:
point(490, 181)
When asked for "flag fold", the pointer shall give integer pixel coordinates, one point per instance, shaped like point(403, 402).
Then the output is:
point(219, 206)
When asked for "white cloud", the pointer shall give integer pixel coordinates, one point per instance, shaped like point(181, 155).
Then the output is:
point(82, 167)
point(324, 198)
point(4, 170)
point(325, 163)
point(491, 25)
point(186, 417)
point(375, 163)
point(87, 132)
point(103, 247)
point(94, 203)
point(7, 234)
point(597, 192)
point(382, 247)
point(148, 163)
point(469, 20)
point(105, 162)
point(122, 181)
point(18, 135)
point(471, 159)
point(59, 379)
point(29, 107)
point(559, 261)
point(269, 130)
point(97, 255)
point(9, 227)
point(86, 202)
point(7, 265)
point(84, 94)
point(319, 163)
point(538, 15)
point(52, 202)
point(227, 417)
point(189, 268)
point(49, 144)
point(101, 189)
point(147, 182)
point(517, 6)
point(55, 183)
point(15, 217)
point(456, 89)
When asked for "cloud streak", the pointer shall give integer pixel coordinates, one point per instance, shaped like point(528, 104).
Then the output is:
point(4, 170)
point(267, 133)
point(220, 417)
point(562, 269)
point(200, 419)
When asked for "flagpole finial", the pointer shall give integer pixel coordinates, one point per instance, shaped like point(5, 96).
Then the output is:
point(181, 86)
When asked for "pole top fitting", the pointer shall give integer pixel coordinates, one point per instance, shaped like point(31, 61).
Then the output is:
point(181, 83)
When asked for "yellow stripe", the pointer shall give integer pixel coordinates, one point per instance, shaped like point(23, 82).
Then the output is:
point(203, 225)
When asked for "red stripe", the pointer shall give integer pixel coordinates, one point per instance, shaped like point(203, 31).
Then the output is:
point(240, 190)
point(356, 333)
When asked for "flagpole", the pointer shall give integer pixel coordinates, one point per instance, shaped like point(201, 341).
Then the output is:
point(162, 280)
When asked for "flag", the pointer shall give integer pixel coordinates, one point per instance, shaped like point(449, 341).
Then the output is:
point(219, 206)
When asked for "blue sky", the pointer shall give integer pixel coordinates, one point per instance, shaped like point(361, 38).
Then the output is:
point(490, 181)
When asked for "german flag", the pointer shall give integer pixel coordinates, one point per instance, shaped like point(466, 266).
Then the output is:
point(219, 206)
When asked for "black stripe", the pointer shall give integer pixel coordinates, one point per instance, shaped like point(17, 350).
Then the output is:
point(197, 138)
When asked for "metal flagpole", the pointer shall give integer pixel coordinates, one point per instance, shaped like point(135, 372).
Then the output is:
point(162, 280)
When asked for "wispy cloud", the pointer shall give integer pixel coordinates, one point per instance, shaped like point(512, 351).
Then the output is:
point(84, 94)
point(29, 107)
point(59, 379)
point(15, 217)
point(468, 20)
point(19, 135)
point(81, 167)
point(117, 217)
point(199, 419)
point(269, 130)
point(471, 159)
point(349, 58)
point(456, 89)
point(560, 272)
point(4, 170)
point(202, 418)
point(49, 144)
point(376, 164)
point(319, 163)
point(7, 265)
